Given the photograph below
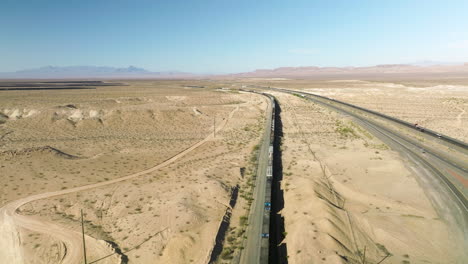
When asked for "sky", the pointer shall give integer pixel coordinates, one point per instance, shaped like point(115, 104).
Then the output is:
point(227, 36)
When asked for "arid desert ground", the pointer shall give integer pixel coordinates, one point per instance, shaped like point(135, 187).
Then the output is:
point(155, 165)
point(158, 136)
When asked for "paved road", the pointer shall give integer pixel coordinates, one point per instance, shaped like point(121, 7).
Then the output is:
point(251, 252)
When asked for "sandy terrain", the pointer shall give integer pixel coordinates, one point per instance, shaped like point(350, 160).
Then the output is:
point(155, 184)
point(347, 195)
point(438, 104)
point(166, 211)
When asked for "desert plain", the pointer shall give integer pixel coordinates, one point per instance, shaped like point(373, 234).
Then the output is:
point(155, 165)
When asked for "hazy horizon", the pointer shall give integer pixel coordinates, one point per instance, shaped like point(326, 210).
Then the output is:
point(422, 64)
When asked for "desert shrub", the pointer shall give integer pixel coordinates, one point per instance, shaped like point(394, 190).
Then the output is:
point(243, 220)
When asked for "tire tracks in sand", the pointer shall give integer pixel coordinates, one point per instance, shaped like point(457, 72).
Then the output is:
point(459, 116)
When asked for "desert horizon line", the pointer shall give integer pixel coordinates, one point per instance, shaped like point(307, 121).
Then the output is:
point(141, 69)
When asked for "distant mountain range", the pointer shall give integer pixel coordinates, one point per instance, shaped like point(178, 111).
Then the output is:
point(425, 68)
point(53, 72)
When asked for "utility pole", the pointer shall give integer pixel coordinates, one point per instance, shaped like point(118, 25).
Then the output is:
point(84, 243)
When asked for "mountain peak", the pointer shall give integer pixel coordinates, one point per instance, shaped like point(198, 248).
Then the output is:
point(131, 69)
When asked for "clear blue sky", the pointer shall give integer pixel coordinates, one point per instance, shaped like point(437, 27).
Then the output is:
point(229, 35)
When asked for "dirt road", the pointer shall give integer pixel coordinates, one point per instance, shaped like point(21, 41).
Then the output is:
point(11, 222)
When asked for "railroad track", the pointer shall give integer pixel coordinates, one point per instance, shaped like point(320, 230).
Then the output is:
point(256, 249)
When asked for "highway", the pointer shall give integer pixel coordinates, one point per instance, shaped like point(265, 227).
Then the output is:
point(450, 169)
